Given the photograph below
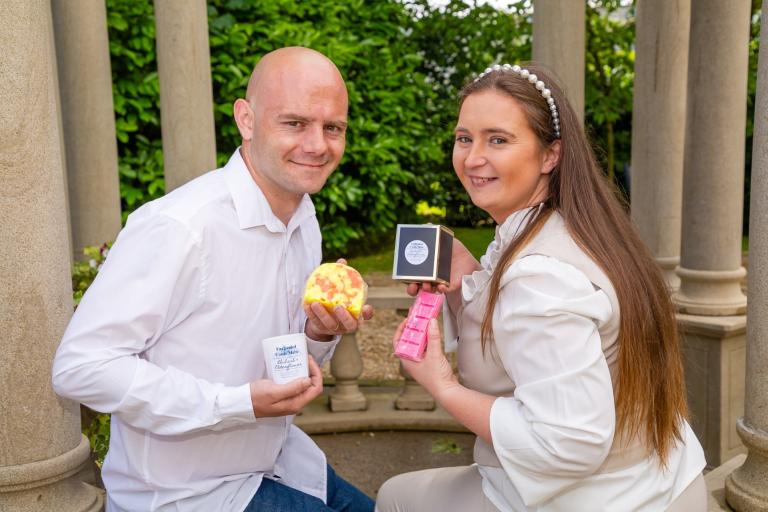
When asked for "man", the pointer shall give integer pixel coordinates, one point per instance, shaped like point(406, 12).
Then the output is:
point(168, 337)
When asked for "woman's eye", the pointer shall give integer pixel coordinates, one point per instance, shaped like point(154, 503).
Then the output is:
point(463, 139)
point(497, 140)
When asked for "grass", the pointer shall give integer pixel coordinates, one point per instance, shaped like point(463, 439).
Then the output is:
point(476, 240)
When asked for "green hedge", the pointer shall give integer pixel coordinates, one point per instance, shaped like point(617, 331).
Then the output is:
point(392, 153)
point(404, 62)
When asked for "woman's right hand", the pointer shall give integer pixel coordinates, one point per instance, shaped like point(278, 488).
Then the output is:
point(462, 263)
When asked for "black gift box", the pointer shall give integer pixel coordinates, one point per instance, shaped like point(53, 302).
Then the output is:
point(423, 253)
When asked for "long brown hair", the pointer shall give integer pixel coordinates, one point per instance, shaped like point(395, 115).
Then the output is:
point(650, 389)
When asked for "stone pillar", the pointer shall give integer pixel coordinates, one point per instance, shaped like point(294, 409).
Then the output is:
point(186, 97)
point(746, 489)
point(710, 300)
point(559, 38)
point(88, 119)
point(658, 128)
point(41, 446)
point(346, 368)
point(413, 397)
point(710, 267)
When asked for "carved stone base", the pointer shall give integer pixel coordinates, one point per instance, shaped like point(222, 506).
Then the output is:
point(346, 396)
point(50, 485)
point(414, 397)
point(746, 489)
point(714, 356)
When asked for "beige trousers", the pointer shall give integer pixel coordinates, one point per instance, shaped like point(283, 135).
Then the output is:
point(459, 489)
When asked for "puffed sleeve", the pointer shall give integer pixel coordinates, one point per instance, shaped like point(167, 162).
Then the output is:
point(559, 425)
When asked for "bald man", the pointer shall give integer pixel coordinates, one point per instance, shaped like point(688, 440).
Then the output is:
point(168, 337)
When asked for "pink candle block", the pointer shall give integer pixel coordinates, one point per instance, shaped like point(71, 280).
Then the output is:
point(413, 340)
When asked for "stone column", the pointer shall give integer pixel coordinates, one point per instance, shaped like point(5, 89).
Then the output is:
point(346, 368)
point(710, 300)
point(658, 128)
point(41, 446)
point(559, 39)
point(186, 97)
point(710, 267)
point(413, 397)
point(88, 119)
point(746, 489)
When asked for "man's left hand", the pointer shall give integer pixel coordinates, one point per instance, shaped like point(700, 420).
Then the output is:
point(323, 325)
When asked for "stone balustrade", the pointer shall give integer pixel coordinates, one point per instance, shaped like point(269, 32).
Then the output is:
point(347, 364)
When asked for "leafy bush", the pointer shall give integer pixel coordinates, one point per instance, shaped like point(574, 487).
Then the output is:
point(95, 425)
point(392, 152)
point(458, 41)
point(404, 61)
point(84, 272)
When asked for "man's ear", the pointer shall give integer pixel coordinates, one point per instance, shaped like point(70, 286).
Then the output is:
point(244, 118)
point(551, 157)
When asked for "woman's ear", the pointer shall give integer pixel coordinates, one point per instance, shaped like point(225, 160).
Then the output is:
point(551, 157)
point(244, 118)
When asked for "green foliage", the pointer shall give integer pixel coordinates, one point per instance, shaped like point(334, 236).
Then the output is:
point(445, 445)
point(610, 64)
point(404, 62)
point(754, 47)
point(95, 425)
point(97, 433)
point(458, 41)
point(84, 272)
point(391, 146)
point(136, 95)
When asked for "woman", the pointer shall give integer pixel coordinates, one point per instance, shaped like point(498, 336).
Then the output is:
point(568, 353)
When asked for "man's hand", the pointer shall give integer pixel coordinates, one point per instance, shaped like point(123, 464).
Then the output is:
point(270, 399)
point(323, 325)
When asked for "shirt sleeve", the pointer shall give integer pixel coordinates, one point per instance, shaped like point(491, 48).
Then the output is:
point(322, 351)
point(559, 424)
point(153, 278)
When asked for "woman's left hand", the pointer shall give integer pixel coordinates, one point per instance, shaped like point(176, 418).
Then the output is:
point(434, 372)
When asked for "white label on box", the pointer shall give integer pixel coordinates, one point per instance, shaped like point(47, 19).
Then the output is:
point(416, 252)
point(286, 357)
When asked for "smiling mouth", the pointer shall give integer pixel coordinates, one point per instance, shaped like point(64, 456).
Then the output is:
point(477, 181)
point(316, 166)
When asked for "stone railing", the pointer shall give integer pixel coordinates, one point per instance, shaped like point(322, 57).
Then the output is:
point(347, 365)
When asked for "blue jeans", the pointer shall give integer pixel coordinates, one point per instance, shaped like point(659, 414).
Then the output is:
point(342, 496)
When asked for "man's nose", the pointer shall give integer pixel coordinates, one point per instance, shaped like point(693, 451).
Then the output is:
point(314, 141)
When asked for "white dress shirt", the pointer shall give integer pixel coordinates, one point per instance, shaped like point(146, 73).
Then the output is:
point(554, 430)
point(168, 338)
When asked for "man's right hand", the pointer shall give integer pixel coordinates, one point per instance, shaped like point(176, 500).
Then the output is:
point(270, 399)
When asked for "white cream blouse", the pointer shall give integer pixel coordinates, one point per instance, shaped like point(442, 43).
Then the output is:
point(553, 424)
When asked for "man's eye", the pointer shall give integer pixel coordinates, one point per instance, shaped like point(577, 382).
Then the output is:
point(333, 128)
point(463, 139)
point(294, 124)
point(497, 140)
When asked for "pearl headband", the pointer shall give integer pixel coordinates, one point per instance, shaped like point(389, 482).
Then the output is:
point(534, 80)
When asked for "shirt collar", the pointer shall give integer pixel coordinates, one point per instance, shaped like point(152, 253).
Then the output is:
point(515, 223)
point(251, 206)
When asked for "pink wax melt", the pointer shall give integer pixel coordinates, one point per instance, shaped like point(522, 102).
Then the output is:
point(413, 340)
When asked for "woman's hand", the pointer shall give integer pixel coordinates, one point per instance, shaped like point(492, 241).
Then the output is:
point(462, 263)
point(434, 372)
point(470, 408)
